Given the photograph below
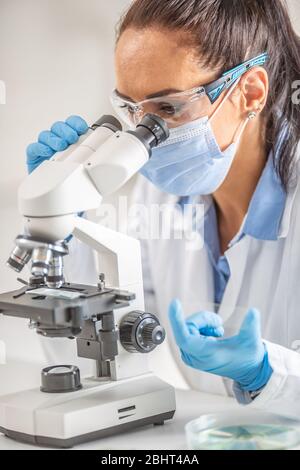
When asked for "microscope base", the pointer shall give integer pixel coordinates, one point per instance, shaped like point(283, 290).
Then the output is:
point(100, 409)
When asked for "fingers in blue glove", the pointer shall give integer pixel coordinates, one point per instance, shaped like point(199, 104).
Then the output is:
point(78, 124)
point(206, 324)
point(37, 150)
point(251, 326)
point(70, 130)
point(201, 324)
point(62, 135)
point(178, 323)
point(53, 141)
point(65, 132)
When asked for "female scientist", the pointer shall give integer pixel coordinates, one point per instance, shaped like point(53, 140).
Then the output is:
point(223, 74)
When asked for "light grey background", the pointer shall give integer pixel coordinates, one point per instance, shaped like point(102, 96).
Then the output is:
point(294, 7)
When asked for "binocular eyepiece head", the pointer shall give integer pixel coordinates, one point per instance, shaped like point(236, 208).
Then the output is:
point(151, 131)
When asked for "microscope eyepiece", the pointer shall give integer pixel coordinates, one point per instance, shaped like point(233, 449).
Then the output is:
point(152, 131)
point(156, 126)
point(108, 121)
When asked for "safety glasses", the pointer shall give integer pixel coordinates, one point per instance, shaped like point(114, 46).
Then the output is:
point(180, 108)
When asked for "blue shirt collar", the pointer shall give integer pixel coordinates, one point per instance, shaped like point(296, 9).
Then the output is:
point(267, 206)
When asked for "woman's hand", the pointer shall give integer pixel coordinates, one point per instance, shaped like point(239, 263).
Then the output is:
point(61, 136)
point(242, 358)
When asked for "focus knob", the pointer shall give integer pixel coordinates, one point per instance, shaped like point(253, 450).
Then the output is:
point(153, 334)
point(141, 332)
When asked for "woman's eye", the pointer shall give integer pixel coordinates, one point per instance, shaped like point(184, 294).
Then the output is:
point(129, 109)
point(168, 108)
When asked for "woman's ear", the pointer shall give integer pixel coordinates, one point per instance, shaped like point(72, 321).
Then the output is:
point(254, 88)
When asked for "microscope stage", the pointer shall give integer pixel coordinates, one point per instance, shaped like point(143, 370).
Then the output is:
point(68, 314)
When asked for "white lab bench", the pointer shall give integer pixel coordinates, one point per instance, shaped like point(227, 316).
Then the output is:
point(171, 436)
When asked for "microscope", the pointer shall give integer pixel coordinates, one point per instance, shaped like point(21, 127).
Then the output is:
point(107, 319)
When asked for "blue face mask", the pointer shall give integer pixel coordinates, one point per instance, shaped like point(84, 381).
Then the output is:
point(191, 162)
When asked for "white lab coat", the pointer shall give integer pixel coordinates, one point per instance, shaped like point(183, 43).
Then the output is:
point(264, 275)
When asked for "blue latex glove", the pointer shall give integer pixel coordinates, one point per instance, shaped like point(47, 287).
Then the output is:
point(61, 136)
point(242, 358)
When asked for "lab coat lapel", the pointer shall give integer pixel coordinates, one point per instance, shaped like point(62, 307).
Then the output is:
point(237, 258)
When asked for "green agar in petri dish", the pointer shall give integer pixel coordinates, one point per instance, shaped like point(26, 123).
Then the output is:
point(246, 437)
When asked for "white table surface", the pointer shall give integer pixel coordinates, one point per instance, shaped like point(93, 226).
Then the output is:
point(171, 436)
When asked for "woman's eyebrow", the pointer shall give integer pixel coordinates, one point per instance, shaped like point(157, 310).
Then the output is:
point(167, 91)
point(124, 96)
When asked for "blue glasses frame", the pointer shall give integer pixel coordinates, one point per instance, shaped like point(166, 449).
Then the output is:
point(215, 88)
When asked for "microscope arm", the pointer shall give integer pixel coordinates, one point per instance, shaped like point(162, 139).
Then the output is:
point(120, 254)
point(120, 260)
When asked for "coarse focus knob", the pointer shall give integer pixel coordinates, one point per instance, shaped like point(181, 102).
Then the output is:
point(141, 332)
point(153, 334)
point(60, 379)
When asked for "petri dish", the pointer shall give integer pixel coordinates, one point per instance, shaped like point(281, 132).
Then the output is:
point(243, 430)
